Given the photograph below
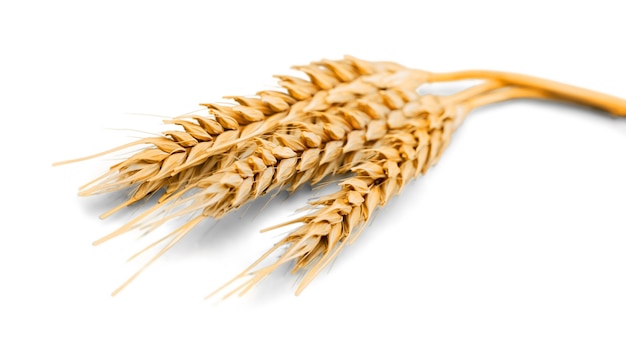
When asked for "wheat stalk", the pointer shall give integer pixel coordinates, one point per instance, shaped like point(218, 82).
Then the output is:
point(350, 117)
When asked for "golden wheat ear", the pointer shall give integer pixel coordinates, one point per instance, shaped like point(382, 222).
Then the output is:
point(399, 156)
point(204, 145)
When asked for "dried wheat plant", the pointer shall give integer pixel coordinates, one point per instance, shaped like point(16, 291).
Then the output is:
point(364, 120)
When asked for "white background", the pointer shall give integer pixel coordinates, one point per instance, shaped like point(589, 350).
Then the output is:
point(512, 247)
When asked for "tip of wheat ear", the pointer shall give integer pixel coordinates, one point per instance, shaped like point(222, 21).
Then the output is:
point(349, 116)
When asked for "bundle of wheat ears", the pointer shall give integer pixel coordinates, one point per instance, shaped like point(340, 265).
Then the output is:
point(363, 120)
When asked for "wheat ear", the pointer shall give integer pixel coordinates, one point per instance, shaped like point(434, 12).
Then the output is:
point(179, 157)
point(399, 156)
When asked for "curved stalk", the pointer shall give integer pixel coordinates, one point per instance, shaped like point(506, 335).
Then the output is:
point(611, 104)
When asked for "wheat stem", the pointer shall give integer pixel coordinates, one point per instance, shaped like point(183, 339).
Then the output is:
point(611, 104)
